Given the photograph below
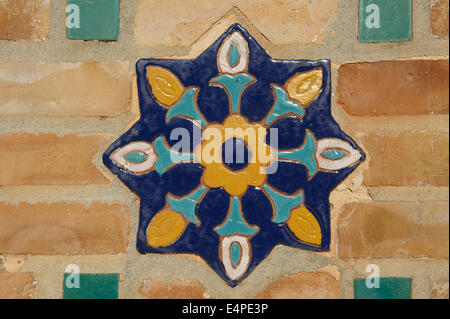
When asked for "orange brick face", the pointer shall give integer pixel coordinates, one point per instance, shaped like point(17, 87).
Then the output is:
point(394, 87)
point(410, 158)
point(394, 230)
point(24, 19)
point(17, 285)
point(48, 159)
point(439, 18)
point(63, 228)
point(64, 89)
point(302, 285)
point(176, 289)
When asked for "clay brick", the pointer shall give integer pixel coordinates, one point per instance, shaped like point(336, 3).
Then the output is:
point(302, 285)
point(173, 22)
point(440, 291)
point(64, 89)
point(24, 19)
point(48, 159)
point(394, 230)
point(63, 228)
point(176, 289)
point(410, 158)
point(18, 285)
point(13, 263)
point(394, 87)
point(439, 18)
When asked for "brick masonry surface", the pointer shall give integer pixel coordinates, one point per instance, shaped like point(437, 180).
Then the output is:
point(63, 102)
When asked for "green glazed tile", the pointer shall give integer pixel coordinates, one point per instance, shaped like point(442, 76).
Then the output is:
point(390, 288)
point(385, 20)
point(93, 286)
point(98, 20)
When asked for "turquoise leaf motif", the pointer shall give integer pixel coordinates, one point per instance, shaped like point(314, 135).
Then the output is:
point(334, 154)
point(235, 223)
point(186, 106)
point(283, 204)
point(136, 157)
point(304, 154)
point(168, 157)
point(187, 205)
point(234, 84)
point(235, 253)
point(283, 105)
point(233, 55)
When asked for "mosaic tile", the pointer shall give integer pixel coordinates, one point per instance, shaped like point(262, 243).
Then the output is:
point(390, 288)
point(385, 20)
point(234, 153)
point(93, 20)
point(91, 286)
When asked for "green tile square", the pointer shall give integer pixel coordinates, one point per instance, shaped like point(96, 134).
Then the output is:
point(93, 286)
point(390, 288)
point(98, 20)
point(385, 20)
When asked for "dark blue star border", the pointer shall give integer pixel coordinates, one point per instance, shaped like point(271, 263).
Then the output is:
point(183, 178)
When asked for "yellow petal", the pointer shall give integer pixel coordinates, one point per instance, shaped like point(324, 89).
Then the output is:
point(305, 87)
point(236, 121)
point(256, 176)
point(166, 87)
point(305, 226)
point(165, 228)
point(214, 175)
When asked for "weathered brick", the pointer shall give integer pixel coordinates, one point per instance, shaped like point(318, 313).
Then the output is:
point(173, 22)
point(64, 89)
point(24, 19)
point(302, 285)
point(176, 289)
point(394, 230)
point(18, 285)
point(394, 87)
point(63, 228)
point(12, 263)
point(440, 290)
point(410, 158)
point(439, 18)
point(48, 159)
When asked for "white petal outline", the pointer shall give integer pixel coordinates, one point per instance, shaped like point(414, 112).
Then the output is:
point(235, 273)
point(242, 47)
point(326, 164)
point(118, 156)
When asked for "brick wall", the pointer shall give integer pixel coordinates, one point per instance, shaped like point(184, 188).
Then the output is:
point(62, 102)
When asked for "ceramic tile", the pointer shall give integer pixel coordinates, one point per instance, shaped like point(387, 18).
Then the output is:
point(385, 20)
point(235, 152)
point(93, 20)
point(390, 288)
point(91, 286)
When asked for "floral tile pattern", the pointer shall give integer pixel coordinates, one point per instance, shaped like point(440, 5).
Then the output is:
point(234, 153)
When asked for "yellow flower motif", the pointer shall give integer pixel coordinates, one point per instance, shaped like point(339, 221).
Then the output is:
point(209, 154)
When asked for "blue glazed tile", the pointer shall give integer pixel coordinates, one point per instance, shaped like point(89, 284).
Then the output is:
point(389, 288)
point(232, 211)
